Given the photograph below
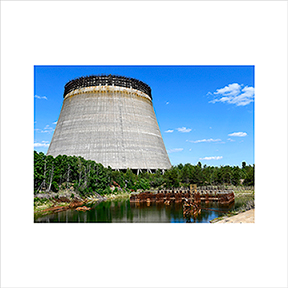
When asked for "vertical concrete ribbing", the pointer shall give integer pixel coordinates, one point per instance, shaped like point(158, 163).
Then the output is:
point(114, 126)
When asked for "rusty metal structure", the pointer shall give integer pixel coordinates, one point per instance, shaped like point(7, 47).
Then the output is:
point(179, 195)
point(190, 198)
point(110, 119)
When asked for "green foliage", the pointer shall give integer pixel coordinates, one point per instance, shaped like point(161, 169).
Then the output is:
point(107, 190)
point(55, 186)
point(87, 176)
point(171, 177)
point(40, 201)
point(143, 184)
point(157, 179)
point(249, 176)
point(130, 179)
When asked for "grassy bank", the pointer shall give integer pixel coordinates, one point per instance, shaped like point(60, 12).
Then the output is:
point(116, 196)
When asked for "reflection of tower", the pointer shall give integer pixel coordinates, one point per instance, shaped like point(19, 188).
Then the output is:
point(111, 120)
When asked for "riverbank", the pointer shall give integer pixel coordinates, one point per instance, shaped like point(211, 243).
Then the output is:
point(46, 203)
point(243, 217)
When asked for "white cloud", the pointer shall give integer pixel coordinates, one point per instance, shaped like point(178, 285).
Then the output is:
point(41, 97)
point(204, 140)
point(175, 150)
point(54, 122)
point(212, 158)
point(169, 131)
point(238, 134)
point(184, 129)
point(47, 129)
point(167, 103)
point(231, 140)
point(42, 144)
point(231, 89)
point(235, 94)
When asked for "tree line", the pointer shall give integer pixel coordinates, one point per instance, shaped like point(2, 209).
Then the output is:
point(87, 176)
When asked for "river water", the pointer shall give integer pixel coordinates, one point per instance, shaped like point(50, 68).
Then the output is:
point(122, 211)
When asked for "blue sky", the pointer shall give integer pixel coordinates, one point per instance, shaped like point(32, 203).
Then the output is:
point(205, 113)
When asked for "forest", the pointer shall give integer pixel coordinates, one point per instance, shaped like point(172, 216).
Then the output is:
point(86, 176)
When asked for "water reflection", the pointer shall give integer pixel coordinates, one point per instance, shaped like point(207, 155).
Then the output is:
point(122, 211)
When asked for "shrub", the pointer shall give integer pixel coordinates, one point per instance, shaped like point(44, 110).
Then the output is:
point(142, 184)
point(55, 187)
point(108, 190)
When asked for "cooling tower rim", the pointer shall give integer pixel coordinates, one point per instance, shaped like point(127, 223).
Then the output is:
point(106, 80)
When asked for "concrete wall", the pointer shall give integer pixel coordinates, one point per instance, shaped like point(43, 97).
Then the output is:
point(111, 125)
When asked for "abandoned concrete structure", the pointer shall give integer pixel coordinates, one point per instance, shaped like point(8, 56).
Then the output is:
point(111, 120)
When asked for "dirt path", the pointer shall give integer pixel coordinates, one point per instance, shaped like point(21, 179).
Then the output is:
point(245, 217)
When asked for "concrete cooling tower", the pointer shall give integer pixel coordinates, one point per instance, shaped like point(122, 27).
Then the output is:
point(111, 120)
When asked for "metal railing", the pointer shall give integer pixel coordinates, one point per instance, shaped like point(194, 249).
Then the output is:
point(107, 80)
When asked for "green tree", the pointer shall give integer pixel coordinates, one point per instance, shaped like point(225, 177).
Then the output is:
point(130, 179)
point(171, 177)
point(250, 176)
